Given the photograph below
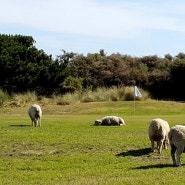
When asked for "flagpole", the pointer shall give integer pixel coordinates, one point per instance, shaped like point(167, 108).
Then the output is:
point(134, 104)
point(136, 94)
point(134, 101)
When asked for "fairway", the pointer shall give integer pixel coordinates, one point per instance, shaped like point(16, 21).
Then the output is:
point(67, 149)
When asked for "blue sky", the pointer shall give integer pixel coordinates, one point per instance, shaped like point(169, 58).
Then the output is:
point(136, 28)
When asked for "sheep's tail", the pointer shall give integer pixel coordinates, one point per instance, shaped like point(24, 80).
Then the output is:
point(37, 113)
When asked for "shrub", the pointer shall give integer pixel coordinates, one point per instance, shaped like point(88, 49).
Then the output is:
point(103, 94)
point(21, 99)
point(129, 93)
point(3, 97)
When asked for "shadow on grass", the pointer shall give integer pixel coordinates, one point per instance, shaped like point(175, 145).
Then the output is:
point(135, 153)
point(154, 166)
point(21, 125)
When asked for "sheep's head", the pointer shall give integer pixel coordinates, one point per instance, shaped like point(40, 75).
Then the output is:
point(97, 122)
point(121, 122)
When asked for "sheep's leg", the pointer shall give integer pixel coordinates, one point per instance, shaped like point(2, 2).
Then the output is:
point(165, 144)
point(178, 154)
point(35, 123)
point(173, 150)
point(152, 145)
point(39, 122)
point(159, 146)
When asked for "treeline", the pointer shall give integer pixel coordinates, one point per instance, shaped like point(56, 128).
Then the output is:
point(25, 68)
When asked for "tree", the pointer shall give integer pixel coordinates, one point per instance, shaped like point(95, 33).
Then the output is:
point(72, 84)
point(22, 66)
point(177, 79)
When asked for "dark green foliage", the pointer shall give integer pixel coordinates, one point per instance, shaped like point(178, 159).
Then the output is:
point(177, 79)
point(72, 84)
point(25, 68)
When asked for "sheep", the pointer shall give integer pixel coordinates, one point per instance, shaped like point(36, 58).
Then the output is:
point(35, 114)
point(158, 132)
point(110, 120)
point(177, 143)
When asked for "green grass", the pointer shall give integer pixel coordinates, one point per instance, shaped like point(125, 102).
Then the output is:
point(67, 149)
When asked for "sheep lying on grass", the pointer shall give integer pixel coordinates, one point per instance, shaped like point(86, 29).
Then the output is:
point(158, 132)
point(35, 114)
point(177, 143)
point(110, 121)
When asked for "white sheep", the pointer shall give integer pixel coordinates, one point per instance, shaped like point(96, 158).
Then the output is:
point(177, 143)
point(110, 120)
point(35, 114)
point(158, 132)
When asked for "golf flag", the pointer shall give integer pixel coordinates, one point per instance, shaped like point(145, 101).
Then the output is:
point(137, 92)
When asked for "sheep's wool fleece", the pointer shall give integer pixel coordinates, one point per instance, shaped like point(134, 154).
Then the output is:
point(34, 108)
point(159, 126)
point(113, 120)
point(177, 133)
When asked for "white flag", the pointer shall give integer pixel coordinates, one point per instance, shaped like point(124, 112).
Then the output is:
point(137, 92)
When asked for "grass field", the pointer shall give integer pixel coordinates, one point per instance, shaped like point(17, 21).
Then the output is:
point(67, 149)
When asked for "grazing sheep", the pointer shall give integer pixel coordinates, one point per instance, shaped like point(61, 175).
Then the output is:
point(158, 132)
point(177, 143)
point(110, 120)
point(35, 114)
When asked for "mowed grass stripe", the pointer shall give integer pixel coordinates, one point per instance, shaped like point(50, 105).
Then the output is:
point(67, 149)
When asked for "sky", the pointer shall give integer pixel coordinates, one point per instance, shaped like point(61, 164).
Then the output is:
point(129, 27)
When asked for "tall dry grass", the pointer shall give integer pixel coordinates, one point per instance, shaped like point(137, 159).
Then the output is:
point(98, 95)
point(103, 94)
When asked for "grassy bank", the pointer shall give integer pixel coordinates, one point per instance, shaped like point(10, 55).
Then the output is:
point(67, 149)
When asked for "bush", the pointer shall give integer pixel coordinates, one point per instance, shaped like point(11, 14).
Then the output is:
point(103, 94)
point(3, 97)
point(21, 99)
